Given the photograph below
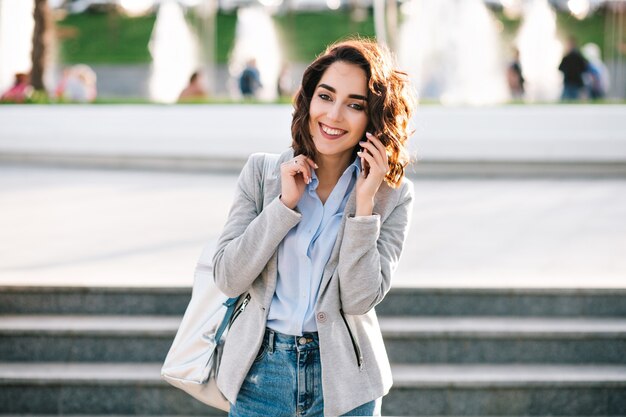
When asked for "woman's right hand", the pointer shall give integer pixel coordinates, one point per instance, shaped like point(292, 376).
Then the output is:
point(295, 174)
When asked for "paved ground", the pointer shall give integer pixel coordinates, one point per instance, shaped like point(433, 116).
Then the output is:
point(114, 227)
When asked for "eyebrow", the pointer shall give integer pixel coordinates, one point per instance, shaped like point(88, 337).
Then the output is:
point(357, 96)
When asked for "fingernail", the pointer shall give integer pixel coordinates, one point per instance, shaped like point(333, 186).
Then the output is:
point(362, 141)
point(368, 134)
point(316, 165)
point(359, 153)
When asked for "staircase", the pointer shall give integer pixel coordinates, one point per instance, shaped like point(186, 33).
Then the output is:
point(479, 352)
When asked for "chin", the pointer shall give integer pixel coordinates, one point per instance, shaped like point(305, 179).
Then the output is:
point(328, 149)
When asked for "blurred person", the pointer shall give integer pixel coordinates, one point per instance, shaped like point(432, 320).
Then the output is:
point(284, 85)
point(20, 91)
point(514, 76)
point(597, 77)
point(250, 79)
point(195, 90)
point(78, 84)
point(312, 242)
point(62, 84)
point(573, 66)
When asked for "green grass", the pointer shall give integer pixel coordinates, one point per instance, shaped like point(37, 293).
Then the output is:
point(306, 35)
point(589, 30)
point(226, 24)
point(94, 38)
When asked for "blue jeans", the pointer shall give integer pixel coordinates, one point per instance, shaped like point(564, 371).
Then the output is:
point(285, 380)
point(571, 92)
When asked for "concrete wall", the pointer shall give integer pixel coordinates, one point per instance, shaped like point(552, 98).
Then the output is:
point(229, 133)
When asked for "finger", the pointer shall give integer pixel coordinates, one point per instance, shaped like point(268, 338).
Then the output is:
point(311, 163)
point(293, 167)
point(301, 167)
point(370, 160)
point(374, 151)
point(377, 142)
point(382, 148)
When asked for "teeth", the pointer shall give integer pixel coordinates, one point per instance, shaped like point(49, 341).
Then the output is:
point(331, 131)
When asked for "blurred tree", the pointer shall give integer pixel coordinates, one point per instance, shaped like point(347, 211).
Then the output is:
point(386, 22)
point(41, 40)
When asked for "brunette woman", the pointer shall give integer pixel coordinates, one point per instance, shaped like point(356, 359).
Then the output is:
point(320, 255)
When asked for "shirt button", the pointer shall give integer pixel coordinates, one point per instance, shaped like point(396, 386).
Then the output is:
point(302, 340)
point(321, 317)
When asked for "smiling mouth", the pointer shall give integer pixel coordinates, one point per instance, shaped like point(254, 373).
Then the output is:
point(331, 133)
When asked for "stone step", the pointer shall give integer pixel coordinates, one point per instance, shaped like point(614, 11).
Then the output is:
point(559, 302)
point(94, 388)
point(488, 389)
point(505, 340)
point(507, 389)
point(71, 338)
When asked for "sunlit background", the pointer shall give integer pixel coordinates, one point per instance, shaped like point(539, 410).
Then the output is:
point(456, 51)
point(117, 169)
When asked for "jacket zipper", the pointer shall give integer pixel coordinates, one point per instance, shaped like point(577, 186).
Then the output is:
point(355, 345)
point(240, 310)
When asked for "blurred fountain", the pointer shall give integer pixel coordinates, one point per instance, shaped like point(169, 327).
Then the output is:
point(452, 50)
point(16, 37)
point(255, 37)
point(540, 52)
point(174, 53)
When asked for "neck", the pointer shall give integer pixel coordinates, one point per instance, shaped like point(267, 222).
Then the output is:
point(331, 167)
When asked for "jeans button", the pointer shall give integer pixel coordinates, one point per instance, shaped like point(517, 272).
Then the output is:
point(302, 340)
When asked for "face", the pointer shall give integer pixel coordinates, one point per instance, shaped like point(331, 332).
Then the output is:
point(338, 110)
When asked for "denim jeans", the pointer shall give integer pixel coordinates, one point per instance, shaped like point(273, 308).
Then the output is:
point(285, 380)
point(571, 92)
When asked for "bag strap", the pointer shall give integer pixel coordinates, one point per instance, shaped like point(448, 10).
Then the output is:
point(230, 304)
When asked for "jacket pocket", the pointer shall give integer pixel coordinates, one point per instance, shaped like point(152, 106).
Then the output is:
point(355, 344)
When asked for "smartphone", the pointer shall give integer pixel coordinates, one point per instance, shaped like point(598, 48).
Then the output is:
point(365, 165)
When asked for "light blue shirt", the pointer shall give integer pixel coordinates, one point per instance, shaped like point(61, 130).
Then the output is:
point(303, 253)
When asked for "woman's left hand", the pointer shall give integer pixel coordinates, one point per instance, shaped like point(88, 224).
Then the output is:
point(375, 156)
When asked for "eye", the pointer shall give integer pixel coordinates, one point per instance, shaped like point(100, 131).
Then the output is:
point(356, 106)
point(324, 96)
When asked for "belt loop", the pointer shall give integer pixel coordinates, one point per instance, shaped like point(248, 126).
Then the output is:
point(270, 341)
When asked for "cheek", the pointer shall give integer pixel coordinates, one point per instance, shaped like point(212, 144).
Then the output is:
point(315, 109)
point(312, 121)
point(360, 123)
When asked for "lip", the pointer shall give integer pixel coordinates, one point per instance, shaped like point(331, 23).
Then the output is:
point(326, 135)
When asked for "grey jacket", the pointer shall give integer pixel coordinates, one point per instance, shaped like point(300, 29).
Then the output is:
point(355, 367)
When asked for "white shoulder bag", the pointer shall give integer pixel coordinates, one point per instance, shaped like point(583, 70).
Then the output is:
point(192, 362)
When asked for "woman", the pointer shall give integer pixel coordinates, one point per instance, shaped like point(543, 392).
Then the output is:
point(317, 259)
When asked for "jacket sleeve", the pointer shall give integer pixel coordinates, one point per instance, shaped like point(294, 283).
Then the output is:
point(249, 238)
point(370, 253)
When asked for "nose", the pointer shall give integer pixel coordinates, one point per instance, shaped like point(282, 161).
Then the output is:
point(335, 112)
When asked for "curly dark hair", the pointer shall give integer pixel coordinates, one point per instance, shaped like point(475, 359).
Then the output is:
point(390, 101)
